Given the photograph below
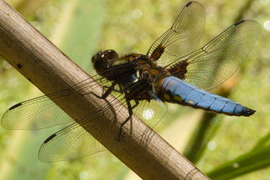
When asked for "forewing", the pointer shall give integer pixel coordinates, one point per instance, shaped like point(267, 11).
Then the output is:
point(41, 112)
point(183, 37)
point(214, 63)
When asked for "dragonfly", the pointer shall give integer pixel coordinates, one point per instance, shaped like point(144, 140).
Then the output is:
point(173, 70)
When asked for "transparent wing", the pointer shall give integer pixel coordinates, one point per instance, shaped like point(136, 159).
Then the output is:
point(69, 143)
point(41, 112)
point(214, 63)
point(151, 112)
point(75, 142)
point(184, 36)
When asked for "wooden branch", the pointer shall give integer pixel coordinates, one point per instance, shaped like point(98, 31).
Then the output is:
point(42, 63)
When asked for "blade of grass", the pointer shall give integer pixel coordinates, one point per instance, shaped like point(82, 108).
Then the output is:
point(246, 163)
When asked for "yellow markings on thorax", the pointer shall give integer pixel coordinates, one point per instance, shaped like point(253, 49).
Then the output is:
point(153, 71)
point(120, 62)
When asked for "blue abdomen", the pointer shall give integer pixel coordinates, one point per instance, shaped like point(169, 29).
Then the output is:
point(177, 91)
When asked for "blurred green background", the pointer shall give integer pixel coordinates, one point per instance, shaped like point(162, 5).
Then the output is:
point(221, 146)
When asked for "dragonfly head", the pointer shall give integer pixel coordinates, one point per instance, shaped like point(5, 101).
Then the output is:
point(103, 60)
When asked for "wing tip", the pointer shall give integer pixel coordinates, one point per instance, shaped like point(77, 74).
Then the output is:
point(189, 3)
point(239, 22)
point(15, 106)
point(49, 138)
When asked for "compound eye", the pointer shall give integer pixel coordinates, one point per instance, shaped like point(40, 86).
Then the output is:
point(103, 60)
point(111, 55)
point(96, 57)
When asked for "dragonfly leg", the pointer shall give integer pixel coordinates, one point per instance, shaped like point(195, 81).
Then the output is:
point(115, 90)
point(104, 96)
point(128, 118)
